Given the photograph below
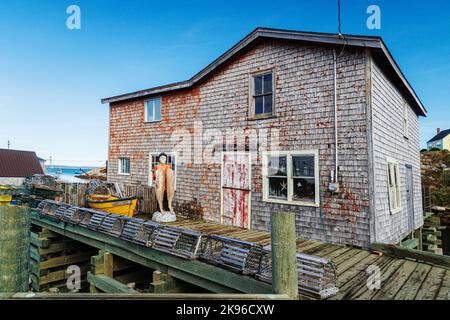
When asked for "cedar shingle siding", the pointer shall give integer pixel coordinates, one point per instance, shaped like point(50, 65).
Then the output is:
point(304, 118)
point(389, 142)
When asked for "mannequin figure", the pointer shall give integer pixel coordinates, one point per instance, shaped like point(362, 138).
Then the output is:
point(164, 182)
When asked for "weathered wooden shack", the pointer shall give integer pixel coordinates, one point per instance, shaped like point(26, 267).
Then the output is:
point(323, 125)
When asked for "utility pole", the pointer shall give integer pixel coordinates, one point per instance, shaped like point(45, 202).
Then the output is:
point(9, 144)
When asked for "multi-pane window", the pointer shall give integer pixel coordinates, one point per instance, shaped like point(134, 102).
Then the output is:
point(124, 166)
point(394, 186)
point(153, 110)
point(291, 177)
point(154, 162)
point(262, 94)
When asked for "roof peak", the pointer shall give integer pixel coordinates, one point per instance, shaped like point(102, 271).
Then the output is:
point(371, 42)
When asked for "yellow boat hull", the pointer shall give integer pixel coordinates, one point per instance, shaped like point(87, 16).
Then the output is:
point(121, 206)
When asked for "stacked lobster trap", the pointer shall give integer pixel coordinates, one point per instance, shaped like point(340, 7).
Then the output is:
point(316, 276)
point(237, 255)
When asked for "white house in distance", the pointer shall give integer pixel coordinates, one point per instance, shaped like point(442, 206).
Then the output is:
point(440, 141)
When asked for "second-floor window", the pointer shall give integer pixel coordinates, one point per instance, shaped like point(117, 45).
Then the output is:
point(153, 110)
point(262, 98)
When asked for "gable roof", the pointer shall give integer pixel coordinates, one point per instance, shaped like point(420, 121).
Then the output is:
point(441, 135)
point(19, 164)
point(375, 44)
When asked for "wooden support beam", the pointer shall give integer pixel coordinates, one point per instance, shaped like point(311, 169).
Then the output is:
point(284, 254)
point(107, 284)
point(395, 251)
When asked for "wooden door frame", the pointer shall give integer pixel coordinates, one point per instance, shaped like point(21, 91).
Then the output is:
point(249, 182)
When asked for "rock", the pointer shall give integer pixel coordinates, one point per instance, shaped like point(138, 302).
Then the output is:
point(165, 216)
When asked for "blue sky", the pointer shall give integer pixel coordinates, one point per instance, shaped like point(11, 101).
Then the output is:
point(52, 78)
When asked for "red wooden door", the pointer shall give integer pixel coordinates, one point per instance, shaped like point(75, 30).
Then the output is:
point(236, 186)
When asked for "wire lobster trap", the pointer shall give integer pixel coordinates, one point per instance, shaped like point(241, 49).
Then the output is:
point(61, 211)
point(237, 255)
point(180, 242)
point(131, 229)
point(119, 224)
point(86, 216)
point(317, 276)
point(41, 205)
point(97, 220)
point(146, 233)
point(72, 215)
point(48, 207)
point(108, 222)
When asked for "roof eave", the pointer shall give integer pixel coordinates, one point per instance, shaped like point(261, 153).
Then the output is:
point(420, 107)
point(331, 39)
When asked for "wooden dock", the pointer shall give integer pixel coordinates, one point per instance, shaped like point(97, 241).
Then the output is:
point(401, 278)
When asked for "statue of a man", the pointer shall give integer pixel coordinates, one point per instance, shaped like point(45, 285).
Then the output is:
point(164, 182)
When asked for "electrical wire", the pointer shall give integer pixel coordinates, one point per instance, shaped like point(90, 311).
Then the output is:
point(339, 16)
point(341, 35)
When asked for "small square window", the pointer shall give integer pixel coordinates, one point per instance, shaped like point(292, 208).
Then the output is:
point(153, 110)
point(124, 166)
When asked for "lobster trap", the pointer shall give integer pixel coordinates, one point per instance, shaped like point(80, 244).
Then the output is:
point(72, 215)
point(237, 255)
point(59, 213)
point(108, 222)
point(119, 224)
point(86, 216)
point(97, 220)
point(317, 276)
point(131, 228)
point(180, 242)
point(141, 231)
point(48, 207)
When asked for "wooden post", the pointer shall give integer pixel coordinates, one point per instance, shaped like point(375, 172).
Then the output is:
point(14, 248)
point(284, 254)
point(108, 266)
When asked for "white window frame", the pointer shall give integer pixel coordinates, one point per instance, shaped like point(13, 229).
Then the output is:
point(146, 120)
point(150, 162)
point(252, 77)
point(405, 120)
point(120, 168)
point(394, 190)
point(290, 186)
